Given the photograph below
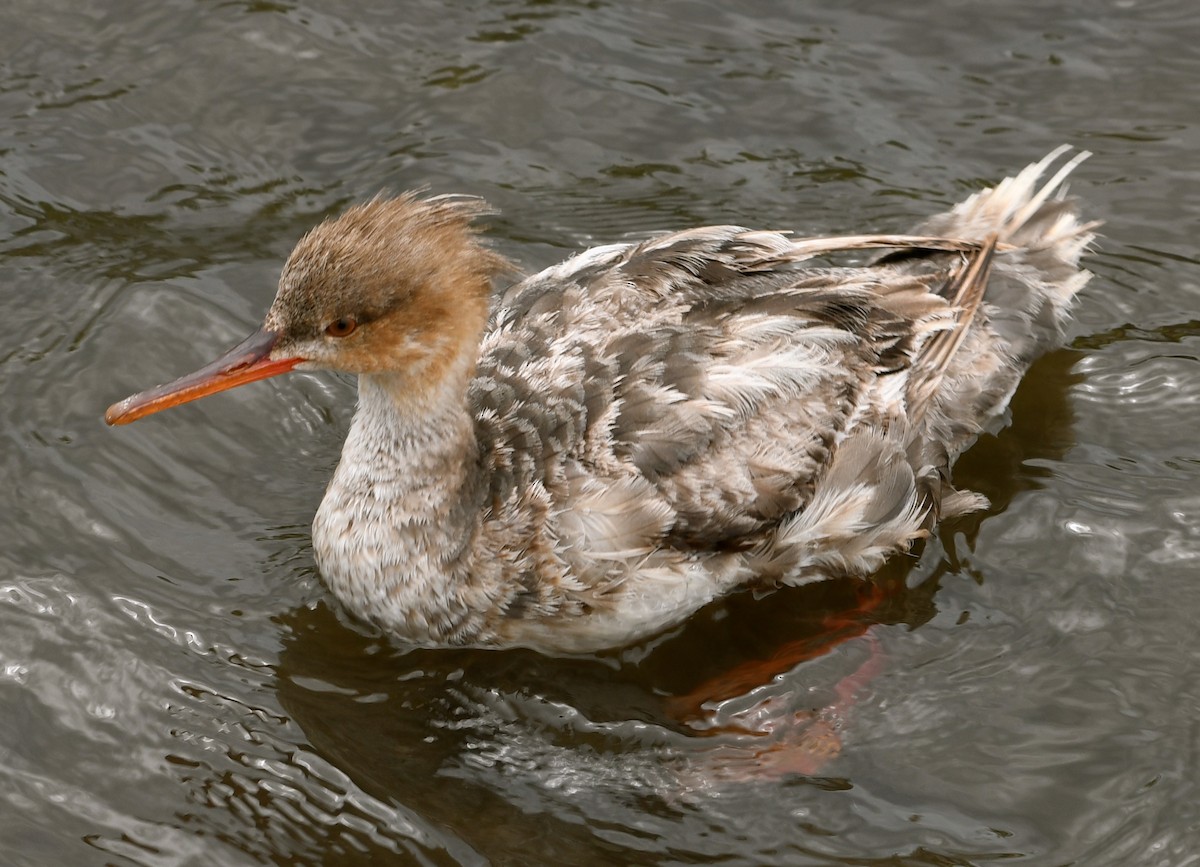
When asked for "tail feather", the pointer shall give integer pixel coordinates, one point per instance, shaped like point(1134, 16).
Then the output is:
point(965, 291)
point(1033, 279)
point(1012, 253)
point(1014, 208)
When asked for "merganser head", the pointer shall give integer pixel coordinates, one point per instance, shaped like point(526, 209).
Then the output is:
point(393, 286)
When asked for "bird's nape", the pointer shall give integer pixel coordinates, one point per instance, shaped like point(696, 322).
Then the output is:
point(592, 455)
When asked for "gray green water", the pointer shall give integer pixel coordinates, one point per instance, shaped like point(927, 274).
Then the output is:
point(175, 685)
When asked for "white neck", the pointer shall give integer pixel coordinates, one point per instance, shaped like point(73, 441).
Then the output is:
point(400, 510)
point(418, 436)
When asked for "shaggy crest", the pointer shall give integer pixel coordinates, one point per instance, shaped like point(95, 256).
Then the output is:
point(610, 444)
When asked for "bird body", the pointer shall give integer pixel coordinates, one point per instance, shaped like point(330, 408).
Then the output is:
point(606, 446)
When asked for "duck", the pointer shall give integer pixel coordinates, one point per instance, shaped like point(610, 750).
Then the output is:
point(581, 459)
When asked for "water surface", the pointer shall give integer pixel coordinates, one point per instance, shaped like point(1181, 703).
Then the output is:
point(178, 688)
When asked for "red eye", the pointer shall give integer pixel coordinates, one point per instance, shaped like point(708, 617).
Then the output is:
point(342, 327)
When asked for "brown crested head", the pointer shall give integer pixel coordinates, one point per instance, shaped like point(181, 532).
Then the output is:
point(393, 285)
point(397, 286)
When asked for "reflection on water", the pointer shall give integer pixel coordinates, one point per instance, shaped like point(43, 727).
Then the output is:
point(749, 699)
point(176, 688)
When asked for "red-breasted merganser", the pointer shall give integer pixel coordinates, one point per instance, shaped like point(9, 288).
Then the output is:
point(610, 444)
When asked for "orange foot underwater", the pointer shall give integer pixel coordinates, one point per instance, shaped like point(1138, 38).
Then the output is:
point(772, 739)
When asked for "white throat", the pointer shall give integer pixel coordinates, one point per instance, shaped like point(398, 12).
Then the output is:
point(400, 510)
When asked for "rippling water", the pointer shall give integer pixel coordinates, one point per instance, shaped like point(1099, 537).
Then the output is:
point(176, 686)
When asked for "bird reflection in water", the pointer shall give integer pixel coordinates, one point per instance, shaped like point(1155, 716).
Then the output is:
point(724, 704)
point(770, 736)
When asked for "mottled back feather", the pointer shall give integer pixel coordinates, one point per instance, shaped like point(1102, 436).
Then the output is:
point(653, 424)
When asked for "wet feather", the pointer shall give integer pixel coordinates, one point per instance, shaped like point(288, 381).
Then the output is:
point(621, 438)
